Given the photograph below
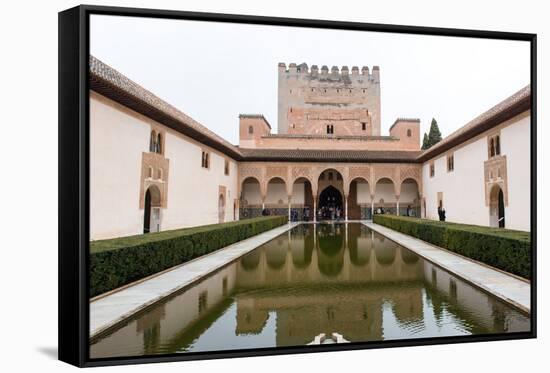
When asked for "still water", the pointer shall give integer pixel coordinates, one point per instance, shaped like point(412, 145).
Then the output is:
point(325, 278)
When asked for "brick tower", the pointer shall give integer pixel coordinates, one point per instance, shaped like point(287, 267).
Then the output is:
point(313, 102)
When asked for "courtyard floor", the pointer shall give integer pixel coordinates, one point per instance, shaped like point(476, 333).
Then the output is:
point(510, 288)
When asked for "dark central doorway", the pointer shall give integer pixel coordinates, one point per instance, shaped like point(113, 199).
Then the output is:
point(330, 204)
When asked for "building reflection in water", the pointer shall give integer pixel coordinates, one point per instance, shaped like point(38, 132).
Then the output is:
point(326, 278)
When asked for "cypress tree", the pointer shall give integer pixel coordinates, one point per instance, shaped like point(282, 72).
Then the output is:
point(435, 135)
point(425, 144)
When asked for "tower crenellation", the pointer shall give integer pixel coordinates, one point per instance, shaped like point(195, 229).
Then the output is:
point(309, 100)
point(334, 72)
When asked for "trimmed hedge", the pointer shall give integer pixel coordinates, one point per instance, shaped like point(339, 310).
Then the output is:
point(505, 249)
point(119, 261)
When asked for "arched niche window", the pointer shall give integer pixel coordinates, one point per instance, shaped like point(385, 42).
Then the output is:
point(330, 129)
point(153, 142)
point(159, 144)
point(409, 133)
point(250, 130)
point(159, 174)
point(363, 126)
point(205, 160)
point(494, 146)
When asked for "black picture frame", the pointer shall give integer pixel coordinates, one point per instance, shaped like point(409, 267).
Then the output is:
point(74, 186)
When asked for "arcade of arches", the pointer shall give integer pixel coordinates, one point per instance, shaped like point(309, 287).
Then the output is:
point(349, 192)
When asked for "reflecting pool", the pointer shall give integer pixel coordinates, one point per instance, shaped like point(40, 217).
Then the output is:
point(324, 278)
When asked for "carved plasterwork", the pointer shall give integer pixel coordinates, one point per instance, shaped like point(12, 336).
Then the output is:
point(495, 173)
point(154, 171)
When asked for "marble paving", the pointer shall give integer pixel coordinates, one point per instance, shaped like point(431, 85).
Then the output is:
point(509, 288)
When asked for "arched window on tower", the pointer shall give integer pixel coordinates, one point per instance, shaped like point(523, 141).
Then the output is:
point(409, 133)
point(492, 147)
point(497, 145)
point(250, 130)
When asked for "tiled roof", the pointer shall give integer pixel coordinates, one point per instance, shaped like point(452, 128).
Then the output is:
point(109, 82)
point(310, 155)
point(507, 109)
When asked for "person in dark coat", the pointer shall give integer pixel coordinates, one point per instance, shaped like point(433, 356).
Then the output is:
point(441, 213)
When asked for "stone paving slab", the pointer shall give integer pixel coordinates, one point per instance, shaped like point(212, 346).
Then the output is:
point(507, 287)
point(110, 310)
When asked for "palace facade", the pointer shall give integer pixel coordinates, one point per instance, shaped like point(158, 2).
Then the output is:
point(152, 167)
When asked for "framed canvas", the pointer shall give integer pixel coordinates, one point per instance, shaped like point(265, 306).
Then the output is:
point(235, 186)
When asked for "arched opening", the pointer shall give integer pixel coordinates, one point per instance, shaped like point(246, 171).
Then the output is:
point(276, 199)
point(409, 198)
point(250, 130)
point(159, 144)
point(151, 214)
point(301, 201)
point(359, 199)
point(251, 199)
point(153, 142)
point(385, 201)
point(496, 207)
point(221, 208)
point(330, 204)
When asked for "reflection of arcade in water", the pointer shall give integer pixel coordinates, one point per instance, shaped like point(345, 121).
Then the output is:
point(326, 278)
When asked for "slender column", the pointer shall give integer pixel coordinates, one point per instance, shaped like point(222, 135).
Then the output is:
point(315, 209)
point(372, 207)
point(346, 208)
point(397, 204)
point(263, 203)
point(289, 208)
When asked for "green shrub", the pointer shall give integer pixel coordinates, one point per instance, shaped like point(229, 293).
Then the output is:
point(119, 261)
point(505, 249)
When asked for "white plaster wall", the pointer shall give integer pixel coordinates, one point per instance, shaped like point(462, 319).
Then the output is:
point(516, 145)
point(118, 138)
point(464, 189)
point(409, 192)
point(193, 190)
point(385, 191)
point(276, 192)
point(363, 193)
point(252, 193)
point(298, 193)
point(115, 168)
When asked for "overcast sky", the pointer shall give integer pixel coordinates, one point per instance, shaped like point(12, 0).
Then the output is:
point(214, 71)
